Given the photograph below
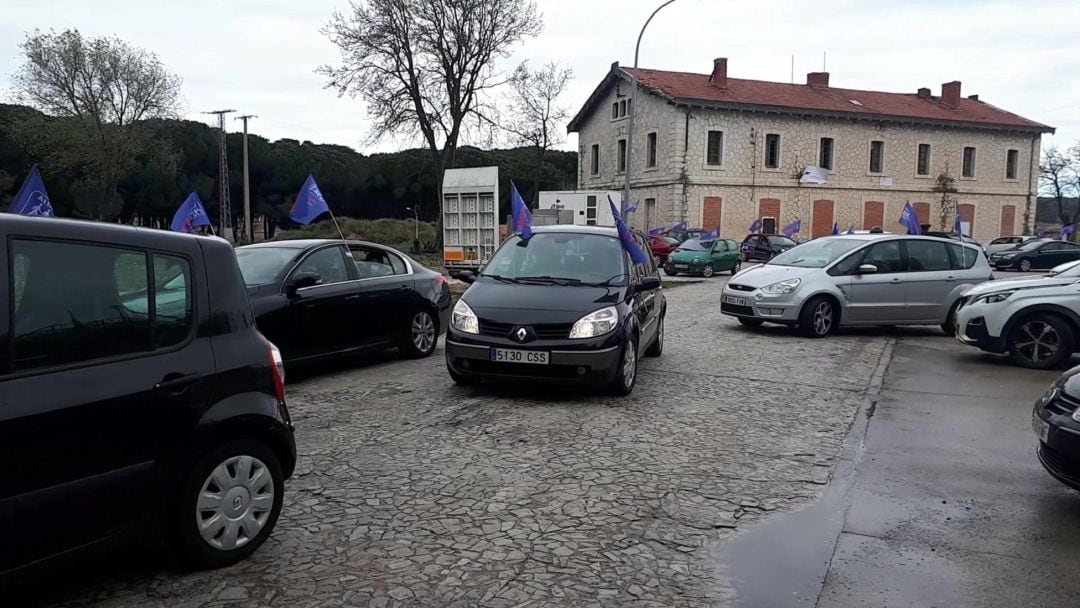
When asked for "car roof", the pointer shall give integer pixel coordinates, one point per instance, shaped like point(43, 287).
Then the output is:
point(877, 236)
point(307, 244)
point(107, 232)
point(571, 228)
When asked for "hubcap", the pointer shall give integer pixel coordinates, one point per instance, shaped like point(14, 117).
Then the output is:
point(234, 502)
point(629, 363)
point(707, 271)
point(822, 318)
point(1039, 341)
point(423, 331)
point(1025, 265)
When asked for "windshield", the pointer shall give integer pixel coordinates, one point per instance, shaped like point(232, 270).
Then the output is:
point(818, 253)
point(781, 240)
point(260, 265)
point(1028, 246)
point(671, 240)
point(1071, 270)
point(692, 245)
point(571, 257)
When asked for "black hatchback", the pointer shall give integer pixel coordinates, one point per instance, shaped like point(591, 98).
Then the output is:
point(136, 395)
point(1056, 422)
point(764, 247)
point(567, 305)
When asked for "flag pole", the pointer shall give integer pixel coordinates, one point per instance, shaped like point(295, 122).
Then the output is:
point(336, 225)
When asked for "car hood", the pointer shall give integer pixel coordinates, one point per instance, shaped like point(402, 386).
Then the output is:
point(1004, 285)
point(767, 274)
point(688, 256)
point(526, 304)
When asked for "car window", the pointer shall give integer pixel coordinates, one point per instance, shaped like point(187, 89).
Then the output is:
point(261, 265)
point(818, 253)
point(886, 256)
point(927, 256)
point(720, 246)
point(328, 263)
point(962, 258)
point(173, 309)
point(649, 268)
point(781, 241)
point(69, 313)
point(1002, 241)
point(1051, 247)
point(372, 263)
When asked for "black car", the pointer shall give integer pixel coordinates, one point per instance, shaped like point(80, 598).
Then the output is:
point(1056, 421)
point(566, 305)
point(685, 234)
point(320, 298)
point(954, 236)
point(136, 396)
point(764, 247)
point(1035, 255)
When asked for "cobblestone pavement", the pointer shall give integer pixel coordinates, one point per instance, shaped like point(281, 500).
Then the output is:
point(412, 491)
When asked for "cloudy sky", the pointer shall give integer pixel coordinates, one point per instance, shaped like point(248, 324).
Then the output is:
point(259, 56)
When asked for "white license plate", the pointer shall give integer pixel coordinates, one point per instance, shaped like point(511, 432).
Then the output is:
point(734, 300)
point(508, 355)
point(1041, 427)
point(681, 266)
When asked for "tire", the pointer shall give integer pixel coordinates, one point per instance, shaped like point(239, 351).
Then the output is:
point(626, 377)
point(462, 380)
point(670, 271)
point(223, 469)
point(420, 335)
point(949, 326)
point(818, 317)
point(707, 271)
point(1040, 341)
point(750, 322)
point(1024, 265)
point(735, 270)
point(657, 347)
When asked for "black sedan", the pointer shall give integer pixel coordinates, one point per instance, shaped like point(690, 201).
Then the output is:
point(1035, 255)
point(1056, 422)
point(566, 306)
point(318, 298)
point(764, 247)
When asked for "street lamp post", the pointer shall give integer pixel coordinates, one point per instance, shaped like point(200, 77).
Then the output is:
point(416, 223)
point(633, 113)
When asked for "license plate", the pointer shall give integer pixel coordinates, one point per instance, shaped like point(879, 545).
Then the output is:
point(734, 300)
point(682, 266)
point(1041, 427)
point(508, 355)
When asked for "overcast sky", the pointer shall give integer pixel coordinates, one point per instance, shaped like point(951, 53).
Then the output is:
point(259, 56)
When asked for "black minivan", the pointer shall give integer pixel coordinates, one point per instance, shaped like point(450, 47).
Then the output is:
point(136, 396)
point(566, 305)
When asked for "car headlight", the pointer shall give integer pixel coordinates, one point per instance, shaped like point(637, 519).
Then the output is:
point(1007, 255)
point(596, 323)
point(695, 261)
point(464, 319)
point(994, 298)
point(787, 286)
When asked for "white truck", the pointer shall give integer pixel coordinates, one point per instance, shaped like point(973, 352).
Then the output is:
point(470, 208)
point(590, 207)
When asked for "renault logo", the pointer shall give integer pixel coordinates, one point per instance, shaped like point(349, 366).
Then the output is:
point(521, 334)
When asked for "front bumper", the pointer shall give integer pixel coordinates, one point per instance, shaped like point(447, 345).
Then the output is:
point(782, 308)
point(974, 327)
point(593, 363)
point(1002, 264)
point(1060, 453)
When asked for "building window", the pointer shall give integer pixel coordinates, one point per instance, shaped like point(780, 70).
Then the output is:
point(614, 110)
point(621, 166)
point(650, 150)
point(969, 162)
point(622, 108)
point(650, 213)
point(825, 153)
point(1011, 158)
point(922, 165)
point(629, 106)
point(594, 157)
point(877, 156)
point(714, 150)
point(772, 151)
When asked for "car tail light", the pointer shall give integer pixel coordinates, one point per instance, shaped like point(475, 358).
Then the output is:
point(278, 366)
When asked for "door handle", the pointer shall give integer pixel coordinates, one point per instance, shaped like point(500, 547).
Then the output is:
point(950, 278)
point(355, 296)
point(896, 280)
point(176, 383)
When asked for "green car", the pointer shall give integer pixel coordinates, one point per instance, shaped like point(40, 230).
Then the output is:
point(696, 257)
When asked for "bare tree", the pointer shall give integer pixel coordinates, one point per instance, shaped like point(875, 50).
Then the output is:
point(945, 185)
point(1059, 173)
point(425, 67)
point(534, 117)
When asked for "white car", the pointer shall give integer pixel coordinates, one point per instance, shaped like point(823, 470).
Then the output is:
point(1006, 242)
point(1036, 321)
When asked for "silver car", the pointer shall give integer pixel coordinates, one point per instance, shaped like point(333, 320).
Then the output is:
point(858, 279)
point(1007, 242)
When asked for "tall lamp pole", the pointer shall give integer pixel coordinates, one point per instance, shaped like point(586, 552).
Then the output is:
point(633, 113)
point(416, 223)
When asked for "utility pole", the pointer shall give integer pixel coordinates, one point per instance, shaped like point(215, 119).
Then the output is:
point(225, 207)
point(248, 234)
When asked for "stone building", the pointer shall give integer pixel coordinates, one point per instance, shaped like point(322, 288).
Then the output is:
point(718, 151)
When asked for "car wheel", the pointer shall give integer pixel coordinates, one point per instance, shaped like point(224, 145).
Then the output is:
point(228, 505)
point(949, 326)
point(818, 317)
point(421, 336)
point(460, 379)
point(657, 347)
point(707, 271)
point(1040, 341)
point(1025, 265)
point(737, 268)
point(750, 322)
point(626, 378)
point(668, 270)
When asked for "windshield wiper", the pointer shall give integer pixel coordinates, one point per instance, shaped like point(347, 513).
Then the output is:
point(500, 278)
point(550, 279)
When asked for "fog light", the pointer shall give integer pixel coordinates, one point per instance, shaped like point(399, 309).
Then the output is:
point(465, 364)
point(581, 371)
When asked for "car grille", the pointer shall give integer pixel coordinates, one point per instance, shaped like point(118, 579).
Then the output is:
point(547, 331)
point(1058, 464)
point(525, 370)
point(737, 287)
point(735, 309)
point(1063, 405)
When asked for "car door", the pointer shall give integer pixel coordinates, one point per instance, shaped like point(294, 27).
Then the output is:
point(94, 379)
point(1064, 252)
point(383, 303)
point(879, 297)
point(645, 302)
point(929, 279)
point(316, 319)
point(1046, 256)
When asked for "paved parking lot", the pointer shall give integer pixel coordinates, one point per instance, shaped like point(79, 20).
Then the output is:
point(411, 491)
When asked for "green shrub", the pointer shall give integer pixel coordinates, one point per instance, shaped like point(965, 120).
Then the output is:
point(398, 234)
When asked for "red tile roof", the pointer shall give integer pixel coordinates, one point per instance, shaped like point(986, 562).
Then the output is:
point(686, 87)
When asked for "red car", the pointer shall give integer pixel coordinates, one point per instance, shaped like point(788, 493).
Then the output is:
point(662, 246)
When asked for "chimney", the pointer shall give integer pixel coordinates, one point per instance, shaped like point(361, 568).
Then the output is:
point(924, 93)
point(950, 94)
point(818, 80)
point(718, 78)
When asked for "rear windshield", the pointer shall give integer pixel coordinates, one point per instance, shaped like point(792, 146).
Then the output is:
point(585, 258)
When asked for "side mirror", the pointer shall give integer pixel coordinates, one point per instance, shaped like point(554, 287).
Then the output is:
point(467, 275)
point(867, 269)
point(302, 280)
point(649, 284)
